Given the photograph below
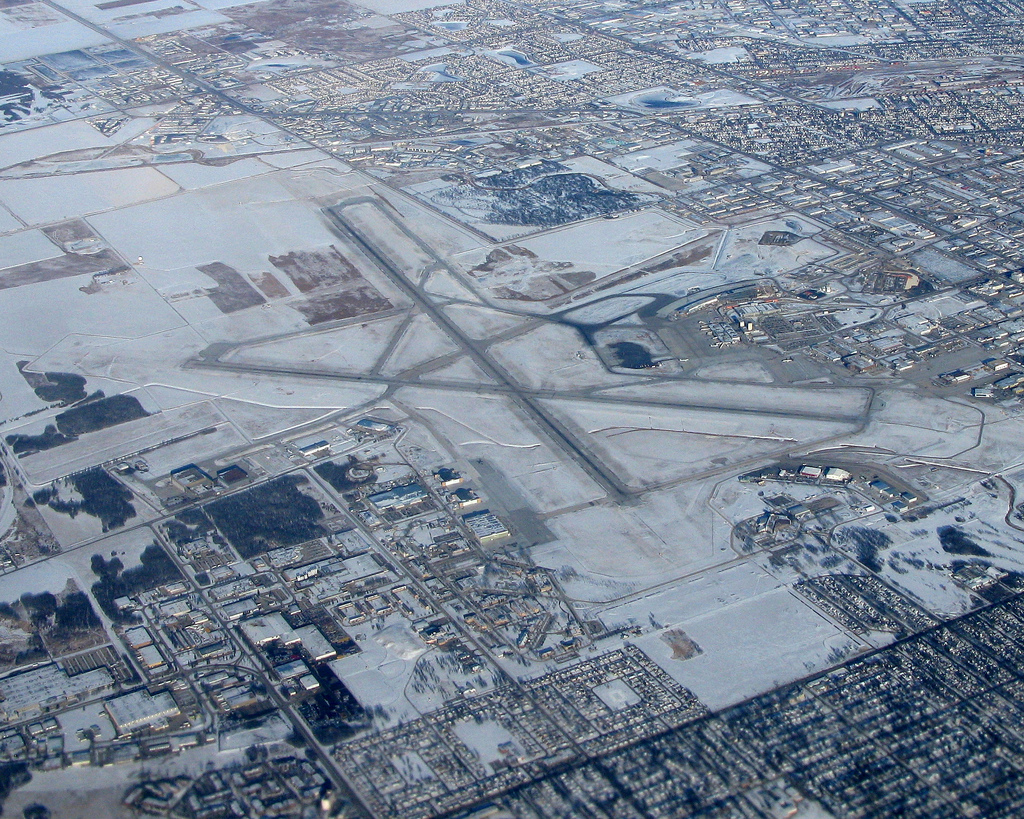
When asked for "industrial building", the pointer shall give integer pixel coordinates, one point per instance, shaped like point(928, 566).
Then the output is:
point(316, 646)
point(133, 712)
point(269, 628)
point(190, 478)
point(41, 689)
point(485, 526)
point(400, 497)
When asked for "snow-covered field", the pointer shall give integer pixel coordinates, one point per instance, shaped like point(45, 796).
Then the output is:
point(746, 371)
point(221, 222)
point(554, 357)
point(129, 309)
point(58, 32)
point(906, 422)
point(24, 247)
point(421, 341)
point(354, 348)
point(750, 643)
point(49, 199)
point(741, 251)
point(480, 322)
point(666, 535)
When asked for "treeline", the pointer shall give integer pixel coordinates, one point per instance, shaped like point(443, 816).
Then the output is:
point(106, 412)
point(555, 200)
point(340, 476)
point(264, 517)
point(47, 612)
point(333, 713)
point(187, 526)
point(54, 387)
point(89, 417)
point(102, 497)
point(155, 569)
point(12, 775)
point(67, 388)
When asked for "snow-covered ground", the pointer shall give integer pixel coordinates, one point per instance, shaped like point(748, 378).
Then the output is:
point(554, 357)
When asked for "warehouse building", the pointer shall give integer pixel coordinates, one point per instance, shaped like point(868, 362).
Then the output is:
point(400, 497)
point(139, 710)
